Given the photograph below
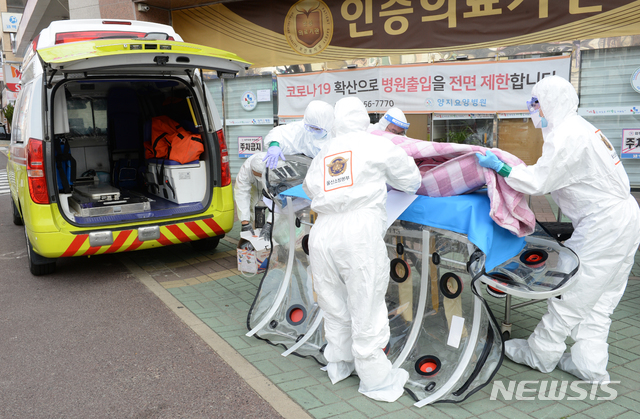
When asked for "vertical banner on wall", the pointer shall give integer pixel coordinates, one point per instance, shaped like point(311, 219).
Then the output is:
point(630, 144)
point(12, 77)
point(248, 146)
point(467, 87)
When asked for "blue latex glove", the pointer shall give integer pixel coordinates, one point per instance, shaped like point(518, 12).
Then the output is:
point(273, 154)
point(490, 161)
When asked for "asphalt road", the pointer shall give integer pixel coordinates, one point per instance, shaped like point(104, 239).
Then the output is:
point(91, 341)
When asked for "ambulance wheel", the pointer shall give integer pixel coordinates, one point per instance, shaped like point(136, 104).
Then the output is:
point(206, 244)
point(38, 265)
point(17, 218)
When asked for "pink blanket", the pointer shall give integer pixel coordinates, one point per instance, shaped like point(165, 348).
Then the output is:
point(452, 169)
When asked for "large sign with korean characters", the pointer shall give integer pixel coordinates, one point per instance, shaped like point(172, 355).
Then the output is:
point(287, 32)
point(465, 87)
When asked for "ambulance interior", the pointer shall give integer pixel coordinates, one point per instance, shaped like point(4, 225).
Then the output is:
point(105, 173)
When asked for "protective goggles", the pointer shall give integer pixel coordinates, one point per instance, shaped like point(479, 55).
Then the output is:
point(533, 105)
point(315, 130)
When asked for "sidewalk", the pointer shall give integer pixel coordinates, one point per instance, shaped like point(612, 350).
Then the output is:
point(209, 285)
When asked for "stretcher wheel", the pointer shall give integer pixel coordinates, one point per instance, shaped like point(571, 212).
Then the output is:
point(505, 329)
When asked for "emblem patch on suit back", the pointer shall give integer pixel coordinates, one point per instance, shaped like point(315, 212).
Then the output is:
point(337, 173)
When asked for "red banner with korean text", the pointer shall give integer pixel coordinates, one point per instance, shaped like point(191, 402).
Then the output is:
point(465, 87)
point(275, 33)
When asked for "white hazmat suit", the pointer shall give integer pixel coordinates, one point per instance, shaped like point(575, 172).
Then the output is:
point(294, 138)
point(585, 177)
point(248, 186)
point(348, 257)
point(299, 137)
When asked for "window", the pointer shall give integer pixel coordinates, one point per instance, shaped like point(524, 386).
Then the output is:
point(21, 115)
point(87, 116)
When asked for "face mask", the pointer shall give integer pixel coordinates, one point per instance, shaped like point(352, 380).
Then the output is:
point(543, 122)
point(534, 111)
point(537, 120)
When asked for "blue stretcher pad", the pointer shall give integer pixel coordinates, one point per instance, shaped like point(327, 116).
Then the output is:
point(465, 214)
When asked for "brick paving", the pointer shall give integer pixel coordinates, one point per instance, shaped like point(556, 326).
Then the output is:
point(210, 286)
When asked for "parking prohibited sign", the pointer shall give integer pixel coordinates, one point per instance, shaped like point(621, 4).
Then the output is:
point(630, 144)
point(248, 146)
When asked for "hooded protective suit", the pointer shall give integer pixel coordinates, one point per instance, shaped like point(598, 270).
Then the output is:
point(248, 186)
point(298, 138)
point(294, 138)
point(393, 116)
point(585, 177)
point(348, 257)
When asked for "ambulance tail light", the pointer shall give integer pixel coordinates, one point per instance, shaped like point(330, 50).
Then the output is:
point(35, 172)
point(67, 37)
point(225, 168)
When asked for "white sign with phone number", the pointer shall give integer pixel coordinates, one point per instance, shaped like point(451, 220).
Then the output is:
point(466, 87)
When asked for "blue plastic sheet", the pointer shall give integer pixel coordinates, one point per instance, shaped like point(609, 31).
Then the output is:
point(465, 214)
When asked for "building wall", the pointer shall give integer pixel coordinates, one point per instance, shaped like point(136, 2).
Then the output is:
point(84, 9)
point(127, 9)
point(7, 57)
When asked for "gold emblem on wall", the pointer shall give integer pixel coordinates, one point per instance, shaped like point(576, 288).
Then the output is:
point(308, 27)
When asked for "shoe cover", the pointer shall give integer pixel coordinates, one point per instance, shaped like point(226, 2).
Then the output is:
point(567, 365)
point(519, 351)
point(338, 371)
point(390, 390)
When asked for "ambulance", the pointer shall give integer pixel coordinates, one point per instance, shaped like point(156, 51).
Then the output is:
point(91, 169)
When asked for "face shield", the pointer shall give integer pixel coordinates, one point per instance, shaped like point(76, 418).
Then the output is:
point(317, 132)
point(395, 125)
point(534, 110)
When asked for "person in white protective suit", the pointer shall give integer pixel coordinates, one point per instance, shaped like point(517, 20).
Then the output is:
point(247, 189)
point(585, 177)
point(301, 137)
point(348, 256)
point(393, 121)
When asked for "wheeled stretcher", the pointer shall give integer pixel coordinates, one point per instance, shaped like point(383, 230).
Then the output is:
point(442, 330)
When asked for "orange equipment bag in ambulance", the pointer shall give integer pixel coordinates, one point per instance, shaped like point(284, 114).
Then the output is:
point(169, 140)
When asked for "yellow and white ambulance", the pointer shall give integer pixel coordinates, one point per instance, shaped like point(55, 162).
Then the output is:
point(89, 172)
